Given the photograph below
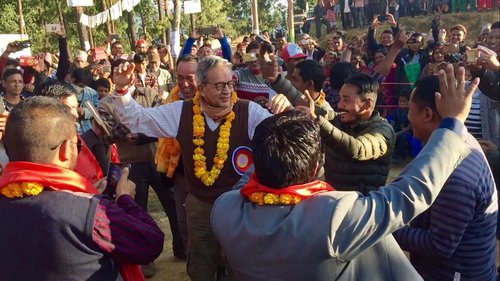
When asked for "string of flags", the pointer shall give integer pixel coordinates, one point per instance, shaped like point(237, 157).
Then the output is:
point(112, 13)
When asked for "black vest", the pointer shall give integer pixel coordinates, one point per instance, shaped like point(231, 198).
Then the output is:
point(49, 237)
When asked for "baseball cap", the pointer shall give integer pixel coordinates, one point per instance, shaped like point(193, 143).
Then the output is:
point(292, 51)
point(140, 42)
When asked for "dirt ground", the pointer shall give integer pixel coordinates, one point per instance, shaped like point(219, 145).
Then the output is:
point(169, 268)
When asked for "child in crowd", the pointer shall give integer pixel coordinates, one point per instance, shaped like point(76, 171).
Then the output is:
point(402, 127)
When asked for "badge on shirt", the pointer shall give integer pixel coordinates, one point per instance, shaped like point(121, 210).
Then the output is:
point(242, 159)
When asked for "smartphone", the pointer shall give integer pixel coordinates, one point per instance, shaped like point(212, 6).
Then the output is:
point(99, 54)
point(207, 30)
point(382, 18)
point(28, 61)
point(53, 28)
point(114, 175)
point(24, 44)
point(472, 55)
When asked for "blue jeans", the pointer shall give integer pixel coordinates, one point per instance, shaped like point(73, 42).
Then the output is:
point(359, 17)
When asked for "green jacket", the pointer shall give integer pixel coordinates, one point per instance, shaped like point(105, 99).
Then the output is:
point(357, 159)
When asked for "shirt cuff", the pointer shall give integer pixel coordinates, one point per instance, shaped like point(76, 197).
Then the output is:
point(125, 98)
point(454, 125)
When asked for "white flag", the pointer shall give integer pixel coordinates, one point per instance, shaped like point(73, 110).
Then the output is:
point(82, 3)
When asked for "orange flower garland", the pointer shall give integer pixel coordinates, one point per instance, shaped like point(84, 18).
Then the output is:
point(19, 189)
point(264, 198)
point(200, 166)
point(169, 149)
point(321, 98)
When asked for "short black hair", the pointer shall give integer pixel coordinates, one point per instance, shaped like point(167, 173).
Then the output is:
point(81, 75)
point(9, 72)
point(311, 70)
point(425, 90)
point(253, 45)
point(381, 50)
point(116, 43)
point(140, 57)
point(495, 25)
point(35, 127)
point(366, 84)
point(101, 82)
point(339, 72)
point(55, 89)
point(286, 149)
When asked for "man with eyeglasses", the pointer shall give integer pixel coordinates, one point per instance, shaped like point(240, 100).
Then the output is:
point(214, 130)
point(168, 162)
point(68, 230)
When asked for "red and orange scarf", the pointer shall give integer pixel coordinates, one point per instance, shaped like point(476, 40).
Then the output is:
point(56, 178)
point(263, 195)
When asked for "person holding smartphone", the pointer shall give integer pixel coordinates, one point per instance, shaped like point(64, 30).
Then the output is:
point(68, 229)
point(387, 36)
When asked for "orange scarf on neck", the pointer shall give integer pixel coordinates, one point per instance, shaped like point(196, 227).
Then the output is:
point(56, 178)
point(264, 195)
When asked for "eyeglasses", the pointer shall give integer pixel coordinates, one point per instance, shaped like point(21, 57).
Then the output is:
point(221, 85)
point(78, 145)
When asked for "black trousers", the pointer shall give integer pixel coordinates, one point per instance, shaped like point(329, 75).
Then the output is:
point(144, 175)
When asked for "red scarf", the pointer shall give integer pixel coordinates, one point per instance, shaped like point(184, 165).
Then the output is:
point(57, 178)
point(302, 191)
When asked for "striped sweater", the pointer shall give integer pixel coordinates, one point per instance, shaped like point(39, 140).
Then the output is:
point(455, 238)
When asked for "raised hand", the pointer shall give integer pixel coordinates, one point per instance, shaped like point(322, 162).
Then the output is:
point(391, 20)
point(218, 33)
point(123, 75)
point(278, 104)
point(311, 105)
point(270, 69)
point(453, 100)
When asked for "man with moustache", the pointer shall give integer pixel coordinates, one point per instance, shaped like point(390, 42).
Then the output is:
point(358, 142)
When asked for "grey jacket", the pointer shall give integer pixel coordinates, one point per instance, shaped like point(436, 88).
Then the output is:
point(335, 235)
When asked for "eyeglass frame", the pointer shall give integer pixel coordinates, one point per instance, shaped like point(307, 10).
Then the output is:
point(220, 86)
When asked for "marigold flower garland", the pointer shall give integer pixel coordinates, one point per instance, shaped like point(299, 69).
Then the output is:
point(169, 149)
point(200, 166)
point(264, 198)
point(18, 189)
point(321, 98)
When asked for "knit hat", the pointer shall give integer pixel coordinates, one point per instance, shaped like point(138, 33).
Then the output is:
point(292, 51)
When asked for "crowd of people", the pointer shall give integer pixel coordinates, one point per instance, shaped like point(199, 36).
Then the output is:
point(357, 13)
point(270, 160)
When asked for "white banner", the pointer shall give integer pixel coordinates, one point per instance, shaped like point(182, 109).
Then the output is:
point(192, 6)
point(81, 3)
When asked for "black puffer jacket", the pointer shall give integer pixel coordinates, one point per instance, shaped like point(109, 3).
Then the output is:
point(357, 159)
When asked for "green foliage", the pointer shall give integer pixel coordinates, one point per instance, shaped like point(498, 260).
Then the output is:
point(8, 19)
